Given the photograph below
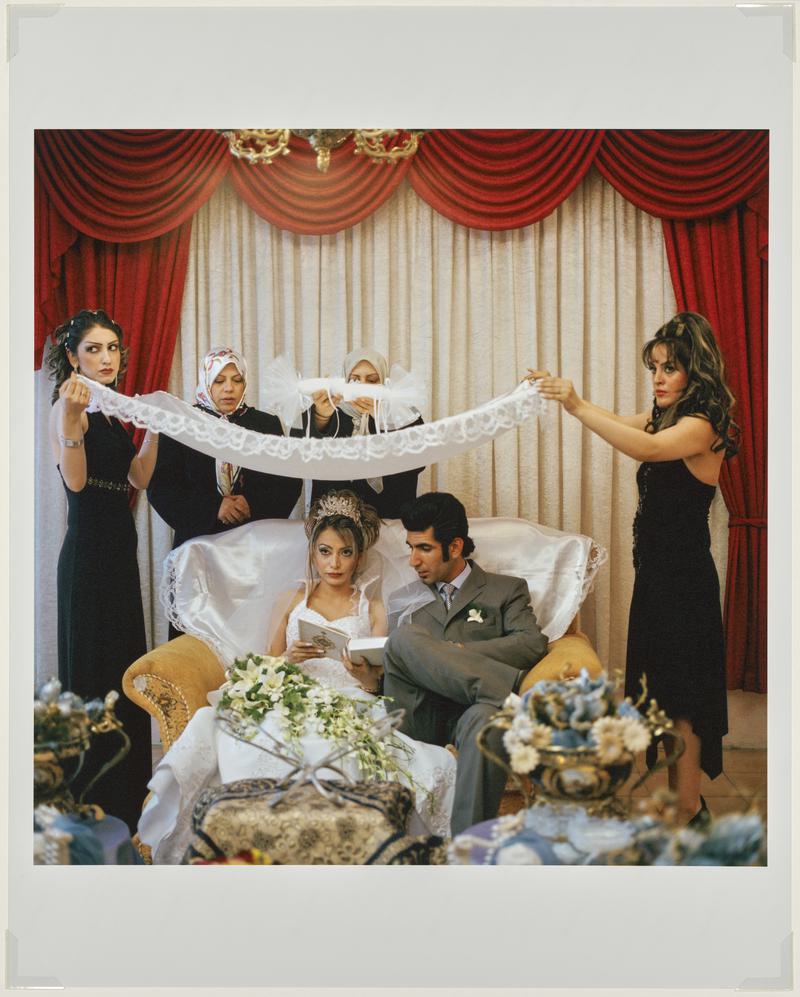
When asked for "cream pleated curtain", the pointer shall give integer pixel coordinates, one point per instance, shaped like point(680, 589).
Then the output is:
point(577, 293)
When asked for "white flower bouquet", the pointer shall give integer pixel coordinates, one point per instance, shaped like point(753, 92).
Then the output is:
point(259, 684)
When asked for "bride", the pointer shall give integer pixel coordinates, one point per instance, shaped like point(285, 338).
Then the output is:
point(340, 530)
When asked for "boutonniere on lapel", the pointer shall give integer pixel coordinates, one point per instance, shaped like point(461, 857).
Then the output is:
point(474, 615)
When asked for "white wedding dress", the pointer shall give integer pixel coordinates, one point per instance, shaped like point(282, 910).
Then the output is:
point(205, 755)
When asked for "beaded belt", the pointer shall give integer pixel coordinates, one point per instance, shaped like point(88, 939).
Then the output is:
point(111, 486)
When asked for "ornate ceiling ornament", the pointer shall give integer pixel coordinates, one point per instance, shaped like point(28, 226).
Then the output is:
point(263, 145)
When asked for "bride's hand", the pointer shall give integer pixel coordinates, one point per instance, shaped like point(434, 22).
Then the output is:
point(301, 650)
point(367, 675)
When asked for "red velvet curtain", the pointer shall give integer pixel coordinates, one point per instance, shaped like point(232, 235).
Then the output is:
point(501, 179)
point(719, 268)
point(126, 186)
point(135, 192)
point(685, 174)
point(140, 284)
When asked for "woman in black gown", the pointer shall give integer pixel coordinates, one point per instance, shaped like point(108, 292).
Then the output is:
point(675, 634)
point(100, 619)
point(391, 492)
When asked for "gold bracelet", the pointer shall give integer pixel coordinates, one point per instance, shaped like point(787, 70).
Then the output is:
point(66, 442)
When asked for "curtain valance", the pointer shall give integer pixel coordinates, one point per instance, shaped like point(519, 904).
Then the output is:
point(293, 194)
point(682, 175)
point(501, 179)
point(125, 186)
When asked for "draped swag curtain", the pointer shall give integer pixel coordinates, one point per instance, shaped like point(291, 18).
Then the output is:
point(143, 187)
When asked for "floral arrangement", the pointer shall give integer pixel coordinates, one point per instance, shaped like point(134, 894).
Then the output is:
point(259, 684)
point(567, 835)
point(734, 839)
point(573, 713)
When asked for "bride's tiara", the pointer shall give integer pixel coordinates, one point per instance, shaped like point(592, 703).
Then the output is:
point(338, 505)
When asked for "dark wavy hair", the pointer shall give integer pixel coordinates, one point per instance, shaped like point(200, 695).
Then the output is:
point(348, 515)
point(68, 336)
point(445, 514)
point(689, 339)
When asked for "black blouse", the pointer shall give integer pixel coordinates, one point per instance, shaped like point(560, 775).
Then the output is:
point(183, 489)
point(398, 489)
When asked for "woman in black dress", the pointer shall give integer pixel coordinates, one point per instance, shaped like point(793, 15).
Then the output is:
point(100, 619)
point(675, 634)
point(196, 494)
point(387, 494)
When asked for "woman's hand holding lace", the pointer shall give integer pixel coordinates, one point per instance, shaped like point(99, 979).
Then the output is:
point(366, 406)
point(324, 404)
point(557, 389)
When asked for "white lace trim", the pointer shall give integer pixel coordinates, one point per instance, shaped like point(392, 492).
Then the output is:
point(302, 457)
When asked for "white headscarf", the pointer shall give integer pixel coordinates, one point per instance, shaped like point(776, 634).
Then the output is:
point(212, 363)
point(361, 419)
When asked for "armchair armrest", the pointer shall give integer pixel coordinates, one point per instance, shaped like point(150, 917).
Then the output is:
point(172, 681)
point(567, 656)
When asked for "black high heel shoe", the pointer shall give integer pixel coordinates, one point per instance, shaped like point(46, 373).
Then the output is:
point(702, 817)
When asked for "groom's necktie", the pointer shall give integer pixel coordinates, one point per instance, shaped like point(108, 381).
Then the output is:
point(447, 591)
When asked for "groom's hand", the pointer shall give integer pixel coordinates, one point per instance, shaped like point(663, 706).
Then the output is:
point(367, 675)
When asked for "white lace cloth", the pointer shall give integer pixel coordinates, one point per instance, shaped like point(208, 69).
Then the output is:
point(345, 459)
point(204, 755)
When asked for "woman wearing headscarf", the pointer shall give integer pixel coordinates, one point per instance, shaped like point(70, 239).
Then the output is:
point(197, 494)
point(387, 494)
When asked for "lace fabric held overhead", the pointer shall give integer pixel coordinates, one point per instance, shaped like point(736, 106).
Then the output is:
point(326, 459)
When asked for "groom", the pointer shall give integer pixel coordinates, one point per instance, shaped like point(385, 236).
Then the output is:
point(452, 666)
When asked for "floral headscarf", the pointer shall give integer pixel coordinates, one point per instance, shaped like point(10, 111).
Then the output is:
point(210, 366)
point(212, 363)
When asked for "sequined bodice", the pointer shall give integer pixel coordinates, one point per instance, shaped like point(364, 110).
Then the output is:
point(671, 522)
point(330, 671)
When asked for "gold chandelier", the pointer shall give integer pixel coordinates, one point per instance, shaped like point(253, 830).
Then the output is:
point(262, 145)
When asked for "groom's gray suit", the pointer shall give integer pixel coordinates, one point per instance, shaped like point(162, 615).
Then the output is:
point(449, 692)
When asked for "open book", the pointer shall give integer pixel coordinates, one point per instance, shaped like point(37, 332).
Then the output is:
point(333, 642)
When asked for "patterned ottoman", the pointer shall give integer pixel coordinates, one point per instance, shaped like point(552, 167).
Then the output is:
point(305, 828)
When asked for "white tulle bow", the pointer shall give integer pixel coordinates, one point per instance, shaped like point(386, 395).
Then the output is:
point(288, 394)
